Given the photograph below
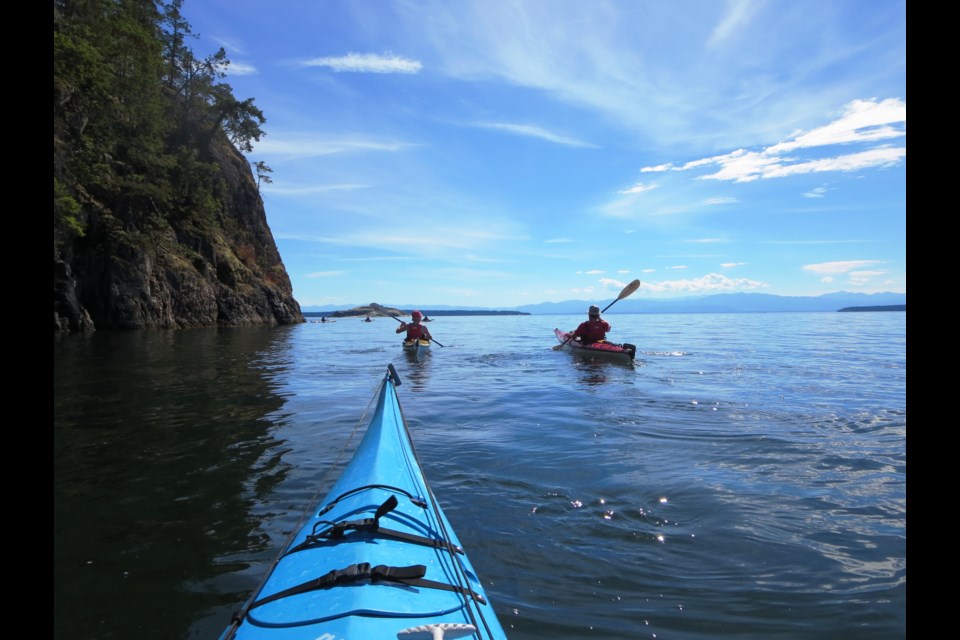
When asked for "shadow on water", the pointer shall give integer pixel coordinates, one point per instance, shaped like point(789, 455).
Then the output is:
point(153, 430)
point(415, 369)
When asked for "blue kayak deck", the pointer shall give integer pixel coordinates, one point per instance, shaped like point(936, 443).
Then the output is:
point(376, 558)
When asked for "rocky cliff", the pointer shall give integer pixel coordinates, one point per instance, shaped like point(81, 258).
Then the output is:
point(221, 269)
point(157, 220)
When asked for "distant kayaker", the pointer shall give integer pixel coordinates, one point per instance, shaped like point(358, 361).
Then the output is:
point(415, 330)
point(594, 329)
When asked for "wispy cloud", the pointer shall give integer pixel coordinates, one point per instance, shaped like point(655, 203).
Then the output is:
point(241, 69)
point(818, 192)
point(612, 284)
point(801, 242)
point(312, 146)
point(638, 188)
point(863, 277)
point(737, 13)
point(366, 63)
point(273, 189)
point(863, 121)
point(747, 167)
point(532, 131)
point(840, 266)
point(710, 283)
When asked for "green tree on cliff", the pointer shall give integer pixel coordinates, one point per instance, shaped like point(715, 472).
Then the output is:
point(135, 112)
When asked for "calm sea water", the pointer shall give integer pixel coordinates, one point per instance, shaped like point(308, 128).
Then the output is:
point(745, 478)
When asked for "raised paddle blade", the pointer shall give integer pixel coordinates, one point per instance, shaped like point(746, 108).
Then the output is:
point(627, 290)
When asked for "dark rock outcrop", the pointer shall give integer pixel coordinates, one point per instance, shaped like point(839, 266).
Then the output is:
point(226, 271)
point(371, 310)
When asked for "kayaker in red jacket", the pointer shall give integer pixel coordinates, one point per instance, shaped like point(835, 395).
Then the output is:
point(594, 329)
point(415, 329)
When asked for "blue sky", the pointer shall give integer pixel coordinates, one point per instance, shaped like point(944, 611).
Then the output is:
point(495, 153)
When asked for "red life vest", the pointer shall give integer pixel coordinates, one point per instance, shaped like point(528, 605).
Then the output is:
point(416, 331)
point(592, 330)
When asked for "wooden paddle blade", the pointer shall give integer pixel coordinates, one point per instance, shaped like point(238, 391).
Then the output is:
point(629, 289)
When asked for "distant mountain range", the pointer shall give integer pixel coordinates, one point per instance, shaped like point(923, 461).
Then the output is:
point(717, 303)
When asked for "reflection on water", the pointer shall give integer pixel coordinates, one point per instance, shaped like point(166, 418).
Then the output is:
point(592, 373)
point(182, 460)
point(153, 432)
point(416, 371)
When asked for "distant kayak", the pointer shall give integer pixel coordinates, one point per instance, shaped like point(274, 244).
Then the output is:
point(377, 558)
point(603, 349)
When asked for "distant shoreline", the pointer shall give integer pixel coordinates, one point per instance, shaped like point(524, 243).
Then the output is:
point(886, 307)
point(426, 312)
point(464, 312)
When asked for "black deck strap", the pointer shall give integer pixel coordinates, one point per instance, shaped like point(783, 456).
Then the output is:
point(420, 502)
point(421, 540)
point(337, 530)
point(410, 576)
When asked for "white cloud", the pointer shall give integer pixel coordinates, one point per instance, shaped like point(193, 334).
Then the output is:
point(638, 188)
point(273, 189)
point(840, 266)
point(720, 200)
point(863, 277)
point(816, 193)
point(862, 121)
point(610, 283)
point(312, 146)
point(737, 14)
point(710, 283)
point(532, 131)
point(241, 69)
point(366, 63)
point(658, 169)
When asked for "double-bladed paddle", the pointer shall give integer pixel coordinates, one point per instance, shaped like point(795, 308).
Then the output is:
point(627, 290)
point(401, 321)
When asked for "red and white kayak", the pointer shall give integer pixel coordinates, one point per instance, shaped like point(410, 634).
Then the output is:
point(603, 349)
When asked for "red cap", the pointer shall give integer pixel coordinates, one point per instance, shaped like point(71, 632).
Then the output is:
point(416, 315)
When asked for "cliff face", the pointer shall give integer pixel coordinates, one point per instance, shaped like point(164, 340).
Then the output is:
point(221, 269)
